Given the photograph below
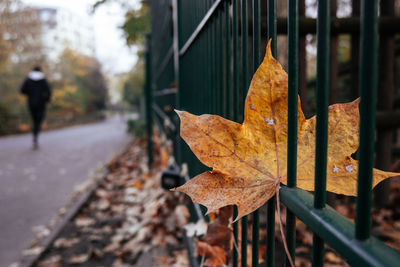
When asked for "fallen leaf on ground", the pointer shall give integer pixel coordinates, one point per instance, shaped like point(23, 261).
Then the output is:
point(332, 257)
point(182, 215)
point(219, 232)
point(65, 242)
point(120, 263)
point(128, 215)
point(249, 160)
point(84, 222)
point(54, 261)
point(32, 251)
point(181, 258)
point(77, 259)
point(214, 255)
point(196, 229)
point(165, 260)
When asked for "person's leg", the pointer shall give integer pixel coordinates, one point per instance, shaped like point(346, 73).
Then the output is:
point(37, 117)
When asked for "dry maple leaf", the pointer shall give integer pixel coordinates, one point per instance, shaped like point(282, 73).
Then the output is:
point(249, 159)
point(219, 233)
point(214, 255)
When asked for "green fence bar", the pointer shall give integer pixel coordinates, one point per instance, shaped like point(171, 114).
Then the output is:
point(256, 35)
point(203, 57)
point(209, 60)
point(228, 82)
point(293, 70)
point(175, 43)
point(221, 56)
point(338, 231)
point(235, 93)
point(272, 22)
point(245, 53)
point(321, 143)
point(148, 96)
point(245, 86)
point(218, 63)
point(256, 62)
point(270, 240)
point(368, 82)
point(214, 64)
point(210, 13)
point(235, 59)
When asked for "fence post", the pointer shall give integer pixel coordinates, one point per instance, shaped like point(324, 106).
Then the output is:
point(256, 63)
point(368, 82)
point(148, 96)
point(321, 142)
point(355, 53)
point(175, 25)
point(245, 84)
point(270, 240)
point(385, 103)
point(236, 74)
point(293, 83)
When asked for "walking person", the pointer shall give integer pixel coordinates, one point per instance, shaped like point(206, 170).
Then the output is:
point(37, 89)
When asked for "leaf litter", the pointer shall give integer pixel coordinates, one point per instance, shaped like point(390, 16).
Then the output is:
point(128, 215)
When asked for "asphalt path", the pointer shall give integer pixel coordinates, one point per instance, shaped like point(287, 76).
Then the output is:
point(35, 184)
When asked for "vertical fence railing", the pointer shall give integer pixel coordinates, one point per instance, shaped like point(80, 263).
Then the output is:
point(368, 83)
point(270, 239)
point(211, 66)
point(235, 104)
point(256, 62)
point(148, 91)
point(293, 69)
point(245, 86)
point(321, 143)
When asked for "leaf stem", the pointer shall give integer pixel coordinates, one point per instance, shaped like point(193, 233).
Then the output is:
point(202, 261)
point(278, 206)
point(236, 245)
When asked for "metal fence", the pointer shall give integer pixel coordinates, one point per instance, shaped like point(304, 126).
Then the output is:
point(200, 55)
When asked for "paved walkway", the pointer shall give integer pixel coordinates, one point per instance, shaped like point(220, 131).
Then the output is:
point(35, 184)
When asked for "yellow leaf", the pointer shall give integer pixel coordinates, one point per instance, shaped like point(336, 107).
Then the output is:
point(249, 160)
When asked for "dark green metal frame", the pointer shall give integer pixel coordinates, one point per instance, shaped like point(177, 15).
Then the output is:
point(208, 51)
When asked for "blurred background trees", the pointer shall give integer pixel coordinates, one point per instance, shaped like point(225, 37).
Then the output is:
point(133, 84)
point(80, 88)
point(135, 26)
point(21, 47)
point(78, 83)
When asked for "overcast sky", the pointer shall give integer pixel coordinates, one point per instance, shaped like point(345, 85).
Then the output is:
point(111, 50)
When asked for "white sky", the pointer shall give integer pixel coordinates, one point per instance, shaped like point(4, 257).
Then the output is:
point(111, 49)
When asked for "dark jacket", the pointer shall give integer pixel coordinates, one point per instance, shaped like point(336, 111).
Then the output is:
point(37, 90)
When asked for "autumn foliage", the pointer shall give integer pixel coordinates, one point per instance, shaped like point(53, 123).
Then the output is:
point(249, 159)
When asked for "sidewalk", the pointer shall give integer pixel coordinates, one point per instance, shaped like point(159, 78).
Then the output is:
point(35, 184)
point(128, 221)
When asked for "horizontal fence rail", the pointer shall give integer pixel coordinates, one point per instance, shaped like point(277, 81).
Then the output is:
point(205, 60)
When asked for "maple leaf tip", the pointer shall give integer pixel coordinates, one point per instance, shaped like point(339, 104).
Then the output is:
point(268, 53)
point(179, 112)
point(177, 189)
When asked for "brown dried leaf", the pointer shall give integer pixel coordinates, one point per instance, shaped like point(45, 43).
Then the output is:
point(249, 159)
point(65, 243)
point(78, 259)
point(219, 233)
point(215, 255)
